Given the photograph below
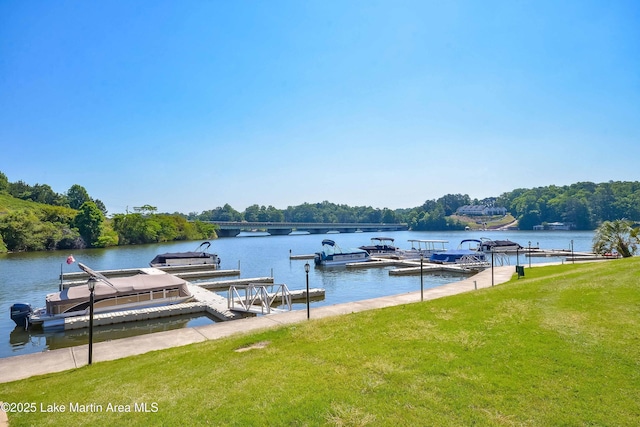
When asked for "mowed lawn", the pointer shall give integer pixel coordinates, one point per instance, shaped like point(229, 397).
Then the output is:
point(559, 347)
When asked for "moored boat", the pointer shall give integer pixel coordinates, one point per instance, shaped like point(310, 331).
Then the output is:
point(152, 288)
point(381, 246)
point(488, 245)
point(424, 247)
point(197, 257)
point(332, 254)
point(468, 251)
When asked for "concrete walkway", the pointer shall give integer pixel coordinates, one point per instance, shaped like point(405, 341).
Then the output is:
point(20, 367)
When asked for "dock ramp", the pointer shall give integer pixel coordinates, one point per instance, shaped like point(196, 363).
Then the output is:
point(255, 298)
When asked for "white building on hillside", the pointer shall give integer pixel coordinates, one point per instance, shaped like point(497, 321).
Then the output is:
point(481, 210)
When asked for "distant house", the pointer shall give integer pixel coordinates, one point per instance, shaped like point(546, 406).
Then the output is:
point(481, 210)
point(559, 226)
point(555, 226)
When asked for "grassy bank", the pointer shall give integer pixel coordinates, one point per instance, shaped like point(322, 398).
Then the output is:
point(559, 347)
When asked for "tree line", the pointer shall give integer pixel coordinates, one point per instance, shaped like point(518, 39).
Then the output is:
point(585, 205)
point(75, 220)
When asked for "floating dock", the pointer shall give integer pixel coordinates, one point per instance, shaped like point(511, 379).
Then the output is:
point(412, 266)
point(304, 256)
point(80, 278)
point(226, 284)
point(204, 300)
point(432, 268)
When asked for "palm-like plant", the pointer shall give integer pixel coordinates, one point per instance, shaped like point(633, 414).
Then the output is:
point(616, 236)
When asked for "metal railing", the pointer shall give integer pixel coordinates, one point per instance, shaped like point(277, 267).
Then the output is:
point(257, 299)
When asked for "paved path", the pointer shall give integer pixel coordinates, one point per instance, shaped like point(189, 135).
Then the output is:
point(20, 367)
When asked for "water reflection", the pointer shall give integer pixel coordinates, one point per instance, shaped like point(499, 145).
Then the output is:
point(21, 339)
point(28, 277)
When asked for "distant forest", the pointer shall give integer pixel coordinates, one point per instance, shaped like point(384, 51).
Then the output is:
point(585, 205)
point(34, 217)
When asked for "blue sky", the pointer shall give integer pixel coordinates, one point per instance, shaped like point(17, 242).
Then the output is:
point(193, 104)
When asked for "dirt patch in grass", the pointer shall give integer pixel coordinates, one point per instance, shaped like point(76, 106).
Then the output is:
point(255, 346)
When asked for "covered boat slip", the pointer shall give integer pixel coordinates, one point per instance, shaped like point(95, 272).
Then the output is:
point(139, 289)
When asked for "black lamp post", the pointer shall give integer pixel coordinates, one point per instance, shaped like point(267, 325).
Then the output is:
point(421, 278)
point(573, 259)
point(306, 270)
point(492, 264)
point(92, 286)
point(529, 253)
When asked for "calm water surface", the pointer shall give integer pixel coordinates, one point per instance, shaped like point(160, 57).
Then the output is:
point(29, 277)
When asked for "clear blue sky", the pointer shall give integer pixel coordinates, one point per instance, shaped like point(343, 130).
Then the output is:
point(188, 105)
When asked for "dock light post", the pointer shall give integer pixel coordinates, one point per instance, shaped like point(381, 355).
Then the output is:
point(306, 270)
point(421, 277)
point(573, 258)
point(92, 286)
point(492, 267)
point(529, 253)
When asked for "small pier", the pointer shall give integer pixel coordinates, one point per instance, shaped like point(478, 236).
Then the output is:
point(226, 284)
point(412, 266)
point(304, 256)
point(297, 257)
point(432, 268)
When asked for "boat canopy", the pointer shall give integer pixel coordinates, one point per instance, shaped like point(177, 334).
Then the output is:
point(122, 285)
point(162, 258)
point(328, 242)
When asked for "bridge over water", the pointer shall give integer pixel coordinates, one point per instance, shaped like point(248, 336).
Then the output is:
point(233, 228)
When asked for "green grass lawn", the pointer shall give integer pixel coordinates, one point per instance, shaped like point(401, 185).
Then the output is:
point(558, 347)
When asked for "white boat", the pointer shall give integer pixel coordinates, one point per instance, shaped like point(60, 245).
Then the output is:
point(332, 254)
point(197, 257)
point(151, 288)
point(424, 247)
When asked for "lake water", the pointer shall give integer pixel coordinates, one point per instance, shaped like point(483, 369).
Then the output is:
point(29, 277)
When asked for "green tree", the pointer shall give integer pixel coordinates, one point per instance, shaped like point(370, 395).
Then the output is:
point(4, 183)
point(252, 213)
point(77, 195)
point(22, 230)
point(89, 222)
point(3, 247)
point(616, 236)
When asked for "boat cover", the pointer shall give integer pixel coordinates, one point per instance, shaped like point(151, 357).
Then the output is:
point(123, 285)
point(162, 258)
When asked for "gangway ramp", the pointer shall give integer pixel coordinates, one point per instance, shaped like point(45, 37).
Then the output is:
point(257, 299)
